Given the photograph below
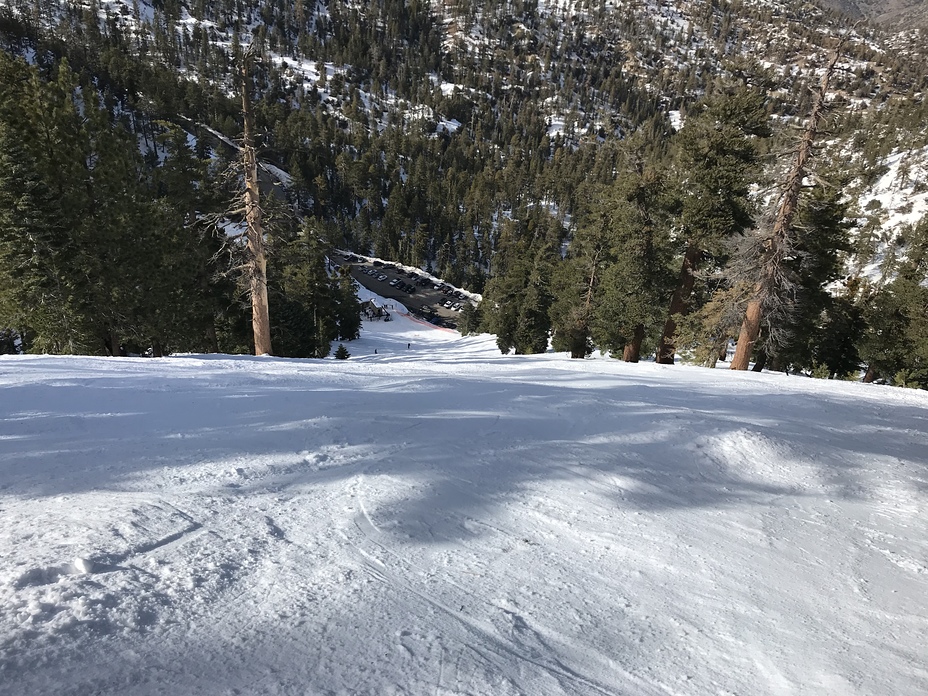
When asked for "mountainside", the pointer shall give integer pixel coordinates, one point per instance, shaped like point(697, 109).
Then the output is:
point(896, 13)
point(438, 134)
point(509, 90)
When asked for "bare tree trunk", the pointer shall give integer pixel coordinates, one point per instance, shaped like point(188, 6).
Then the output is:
point(678, 304)
point(761, 362)
point(777, 247)
point(750, 330)
point(112, 343)
point(719, 354)
point(776, 365)
point(870, 375)
point(257, 262)
point(632, 352)
point(211, 337)
point(580, 340)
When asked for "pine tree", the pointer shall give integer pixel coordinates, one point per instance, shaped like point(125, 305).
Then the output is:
point(469, 320)
point(895, 342)
point(576, 285)
point(778, 247)
point(717, 160)
point(40, 290)
point(257, 262)
point(518, 294)
point(315, 308)
point(636, 286)
point(809, 325)
point(115, 227)
point(506, 285)
point(533, 324)
point(347, 307)
point(44, 289)
point(185, 294)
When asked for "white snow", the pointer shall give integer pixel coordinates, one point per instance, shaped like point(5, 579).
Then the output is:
point(895, 191)
point(449, 125)
point(438, 518)
point(219, 136)
point(278, 173)
point(556, 127)
point(898, 200)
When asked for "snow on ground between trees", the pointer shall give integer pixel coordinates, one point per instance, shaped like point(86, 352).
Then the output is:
point(438, 518)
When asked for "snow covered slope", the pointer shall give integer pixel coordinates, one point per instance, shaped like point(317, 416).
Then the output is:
point(441, 519)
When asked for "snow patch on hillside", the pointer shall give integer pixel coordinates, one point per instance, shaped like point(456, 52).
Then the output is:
point(896, 201)
point(901, 191)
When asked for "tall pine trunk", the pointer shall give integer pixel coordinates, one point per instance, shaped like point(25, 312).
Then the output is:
point(679, 303)
point(257, 261)
point(750, 330)
point(212, 338)
point(111, 341)
point(778, 247)
point(632, 352)
point(776, 364)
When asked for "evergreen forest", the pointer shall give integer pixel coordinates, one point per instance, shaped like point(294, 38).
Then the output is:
point(608, 175)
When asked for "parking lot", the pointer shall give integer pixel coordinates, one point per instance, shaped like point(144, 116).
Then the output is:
point(422, 296)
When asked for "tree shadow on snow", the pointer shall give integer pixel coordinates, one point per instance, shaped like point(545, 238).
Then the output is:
point(681, 446)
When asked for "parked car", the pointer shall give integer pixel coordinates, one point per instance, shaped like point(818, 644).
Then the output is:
point(378, 263)
point(382, 277)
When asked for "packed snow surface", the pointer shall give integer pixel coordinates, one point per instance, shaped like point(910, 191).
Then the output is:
point(437, 518)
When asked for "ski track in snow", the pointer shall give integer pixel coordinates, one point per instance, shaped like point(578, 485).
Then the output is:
point(441, 519)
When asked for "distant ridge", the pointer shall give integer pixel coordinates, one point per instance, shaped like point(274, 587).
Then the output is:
point(889, 12)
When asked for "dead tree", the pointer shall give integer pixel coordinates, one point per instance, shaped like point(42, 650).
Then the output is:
point(256, 264)
point(778, 247)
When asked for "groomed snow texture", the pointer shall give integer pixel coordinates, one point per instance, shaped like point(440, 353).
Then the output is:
point(441, 519)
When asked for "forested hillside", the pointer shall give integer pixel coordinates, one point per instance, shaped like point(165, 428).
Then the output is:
point(605, 172)
point(892, 13)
